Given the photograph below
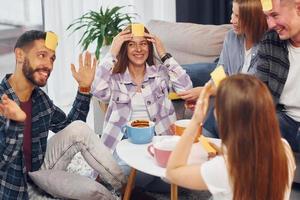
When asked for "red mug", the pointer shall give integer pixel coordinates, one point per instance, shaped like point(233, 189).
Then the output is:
point(161, 152)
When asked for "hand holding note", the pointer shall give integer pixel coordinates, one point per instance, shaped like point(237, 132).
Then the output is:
point(218, 75)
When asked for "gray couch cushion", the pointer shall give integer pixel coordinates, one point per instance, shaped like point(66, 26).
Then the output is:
point(188, 42)
point(62, 184)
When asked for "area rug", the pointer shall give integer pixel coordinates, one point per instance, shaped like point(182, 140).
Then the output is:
point(184, 194)
point(79, 166)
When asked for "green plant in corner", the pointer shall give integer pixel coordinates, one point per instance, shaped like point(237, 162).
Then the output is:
point(100, 26)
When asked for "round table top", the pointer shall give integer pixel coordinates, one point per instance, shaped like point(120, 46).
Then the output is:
point(137, 156)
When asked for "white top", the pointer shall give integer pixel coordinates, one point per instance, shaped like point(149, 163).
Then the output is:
point(139, 110)
point(215, 175)
point(247, 60)
point(290, 96)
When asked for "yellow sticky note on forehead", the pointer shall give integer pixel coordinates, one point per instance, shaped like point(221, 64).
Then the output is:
point(51, 40)
point(218, 75)
point(137, 29)
point(266, 5)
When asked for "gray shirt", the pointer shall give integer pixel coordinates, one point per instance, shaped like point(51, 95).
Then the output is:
point(233, 54)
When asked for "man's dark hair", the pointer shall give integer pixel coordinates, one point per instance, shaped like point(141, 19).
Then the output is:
point(28, 37)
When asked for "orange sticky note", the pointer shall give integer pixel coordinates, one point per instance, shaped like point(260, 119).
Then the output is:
point(266, 5)
point(137, 29)
point(218, 74)
point(173, 96)
point(51, 40)
point(206, 145)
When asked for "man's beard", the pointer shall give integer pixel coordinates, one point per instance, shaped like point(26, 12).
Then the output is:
point(28, 72)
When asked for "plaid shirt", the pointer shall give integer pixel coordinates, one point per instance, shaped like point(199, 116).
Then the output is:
point(118, 90)
point(45, 116)
point(273, 63)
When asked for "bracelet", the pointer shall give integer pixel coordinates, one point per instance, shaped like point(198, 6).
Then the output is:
point(165, 57)
point(84, 90)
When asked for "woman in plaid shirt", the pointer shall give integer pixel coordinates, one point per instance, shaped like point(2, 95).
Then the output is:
point(135, 87)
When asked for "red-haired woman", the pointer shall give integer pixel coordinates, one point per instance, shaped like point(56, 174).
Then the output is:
point(256, 163)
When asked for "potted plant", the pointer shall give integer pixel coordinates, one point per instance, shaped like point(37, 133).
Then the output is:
point(100, 26)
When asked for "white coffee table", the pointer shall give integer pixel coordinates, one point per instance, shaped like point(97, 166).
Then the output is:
point(137, 156)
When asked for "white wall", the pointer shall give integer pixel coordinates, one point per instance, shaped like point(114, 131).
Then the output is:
point(155, 9)
point(57, 19)
point(21, 12)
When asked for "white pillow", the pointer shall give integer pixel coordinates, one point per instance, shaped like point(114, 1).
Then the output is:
point(61, 184)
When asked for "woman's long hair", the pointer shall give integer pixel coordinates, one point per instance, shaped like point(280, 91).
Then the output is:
point(252, 19)
point(123, 61)
point(256, 157)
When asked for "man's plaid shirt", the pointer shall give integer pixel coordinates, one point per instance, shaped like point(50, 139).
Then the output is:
point(273, 63)
point(45, 116)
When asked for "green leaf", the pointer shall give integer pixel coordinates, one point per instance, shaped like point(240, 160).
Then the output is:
point(99, 45)
point(101, 25)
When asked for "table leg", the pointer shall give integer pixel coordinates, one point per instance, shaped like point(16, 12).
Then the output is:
point(174, 192)
point(130, 183)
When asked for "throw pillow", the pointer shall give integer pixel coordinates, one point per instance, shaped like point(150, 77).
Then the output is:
point(199, 72)
point(61, 184)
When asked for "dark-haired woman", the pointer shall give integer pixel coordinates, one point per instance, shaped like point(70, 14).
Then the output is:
point(135, 87)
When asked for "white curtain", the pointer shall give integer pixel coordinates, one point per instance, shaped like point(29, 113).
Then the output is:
point(60, 13)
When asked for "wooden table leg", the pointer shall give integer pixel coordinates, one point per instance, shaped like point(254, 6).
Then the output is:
point(129, 185)
point(174, 192)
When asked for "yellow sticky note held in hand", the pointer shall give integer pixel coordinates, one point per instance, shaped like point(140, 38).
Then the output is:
point(137, 29)
point(218, 74)
point(206, 145)
point(51, 40)
point(266, 5)
point(173, 96)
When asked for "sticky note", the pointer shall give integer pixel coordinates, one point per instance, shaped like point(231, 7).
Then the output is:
point(173, 96)
point(218, 74)
point(204, 142)
point(266, 5)
point(137, 29)
point(51, 40)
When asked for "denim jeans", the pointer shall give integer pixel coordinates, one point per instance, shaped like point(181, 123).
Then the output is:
point(289, 129)
point(210, 123)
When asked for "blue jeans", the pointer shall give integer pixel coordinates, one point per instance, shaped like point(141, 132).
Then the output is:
point(289, 129)
point(210, 124)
